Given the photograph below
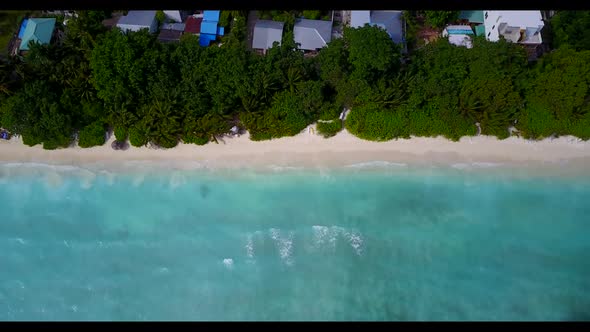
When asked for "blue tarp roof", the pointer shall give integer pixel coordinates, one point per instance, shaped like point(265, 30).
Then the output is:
point(209, 27)
point(22, 28)
point(205, 39)
point(211, 15)
point(220, 31)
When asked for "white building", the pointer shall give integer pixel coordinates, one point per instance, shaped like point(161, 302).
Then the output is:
point(517, 26)
point(459, 35)
point(136, 20)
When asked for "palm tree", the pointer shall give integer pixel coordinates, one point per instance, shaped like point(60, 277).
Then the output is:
point(162, 123)
point(208, 126)
point(293, 76)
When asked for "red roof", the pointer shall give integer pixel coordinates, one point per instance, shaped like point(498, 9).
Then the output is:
point(193, 24)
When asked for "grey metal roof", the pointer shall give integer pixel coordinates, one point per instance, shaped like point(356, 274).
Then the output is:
point(358, 18)
point(173, 26)
point(312, 34)
point(266, 33)
point(138, 17)
point(391, 21)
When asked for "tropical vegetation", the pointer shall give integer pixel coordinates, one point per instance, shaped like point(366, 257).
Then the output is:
point(97, 81)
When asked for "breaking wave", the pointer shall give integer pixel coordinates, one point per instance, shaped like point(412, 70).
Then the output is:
point(284, 244)
point(377, 163)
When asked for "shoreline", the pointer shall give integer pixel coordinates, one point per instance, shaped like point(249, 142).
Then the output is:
point(311, 151)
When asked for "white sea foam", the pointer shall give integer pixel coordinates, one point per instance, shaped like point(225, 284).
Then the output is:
point(376, 163)
point(110, 177)
point(41, 165)
point(177, 180)
point(356, 241)
point(53, 179)
point(19, 240)
point(326, 237)
point(460, 166)
point(278, 168)
point(463, 166)
point(284, 244)
point(486, 164)
point(229, 263)
point(250, 246)
point(138, 179)
point(88, 178)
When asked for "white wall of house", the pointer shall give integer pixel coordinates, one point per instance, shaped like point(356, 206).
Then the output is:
point(135, 27)
point(523, 19)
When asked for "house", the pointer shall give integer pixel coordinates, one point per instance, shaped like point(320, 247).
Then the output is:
point(517, 26)
point(459, 35)
point(266, 33)
point(171, 32)
point(177, 16)
point(39, 30)
point(136, 20)
point(169, 36)
point(473, 18)
point(209, 27)
point(389, 20)
point(193, 25)
point(311, 35)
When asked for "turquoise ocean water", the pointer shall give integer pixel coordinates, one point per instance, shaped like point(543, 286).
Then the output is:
point(389, 244)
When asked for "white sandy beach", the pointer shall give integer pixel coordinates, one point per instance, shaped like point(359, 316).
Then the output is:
point(313, 151)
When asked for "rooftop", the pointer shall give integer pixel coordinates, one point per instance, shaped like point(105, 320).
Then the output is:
point(520, 18)
point(174, 26)
point(211, 15)
point(167, 35)
point(266, 33)
point(37, 29)
point(312, 34)
point(390, 20)
point(193, 25)
point(358, 18)
point(138, 17)
point(209, 27)
point(472, 16)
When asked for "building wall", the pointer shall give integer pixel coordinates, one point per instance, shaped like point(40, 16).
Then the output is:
point(133, 27)
point(154, 26)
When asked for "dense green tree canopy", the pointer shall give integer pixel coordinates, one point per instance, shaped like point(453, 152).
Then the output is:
point(558, 98)
point(371, 52)
point(571, 28)
point(440, 18)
